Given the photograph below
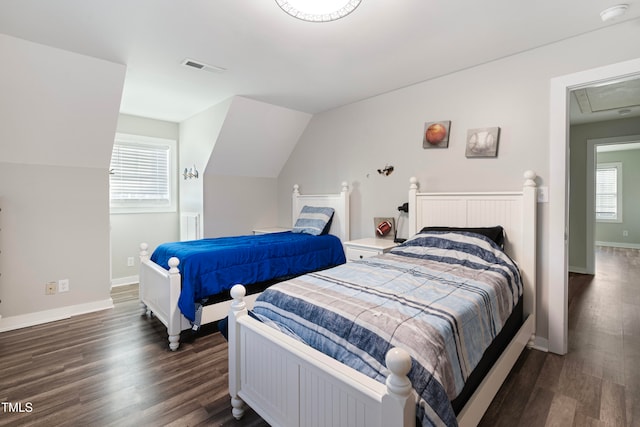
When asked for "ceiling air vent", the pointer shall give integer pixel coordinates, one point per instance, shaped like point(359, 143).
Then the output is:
point(202, 66)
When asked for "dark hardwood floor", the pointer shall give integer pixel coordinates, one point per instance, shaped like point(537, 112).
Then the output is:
point(114, 368)
point(598, 382)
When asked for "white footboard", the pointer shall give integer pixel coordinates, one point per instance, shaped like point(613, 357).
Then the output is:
point(291, 384)
point(159, 293)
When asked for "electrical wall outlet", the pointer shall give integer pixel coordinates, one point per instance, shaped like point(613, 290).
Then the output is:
point(130, 262)
point(543, 194)
point(625, 233)
point(50, 288)
point(63, 285)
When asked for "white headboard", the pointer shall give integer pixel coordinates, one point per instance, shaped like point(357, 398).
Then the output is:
point(339, 202)
point(514, 211)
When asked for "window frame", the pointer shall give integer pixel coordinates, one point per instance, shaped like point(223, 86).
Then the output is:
point(141, 206)
point(618, 167)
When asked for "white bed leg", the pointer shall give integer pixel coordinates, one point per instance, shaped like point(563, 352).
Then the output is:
point(144, 256)
point(175, 317)
point(532, 341)
point(238, 309)
point(174, 342)
point(143, 309)
point(238, 407)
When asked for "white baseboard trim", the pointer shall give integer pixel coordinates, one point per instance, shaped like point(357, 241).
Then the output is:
point(619, 245)
point(124, 281)
point(541, 344)
point(39, 317)
point(579, 270)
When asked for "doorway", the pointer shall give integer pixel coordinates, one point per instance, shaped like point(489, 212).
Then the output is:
point(557, 249)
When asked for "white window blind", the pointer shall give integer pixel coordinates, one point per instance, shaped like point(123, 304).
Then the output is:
point(140, 176)
point(608, 193)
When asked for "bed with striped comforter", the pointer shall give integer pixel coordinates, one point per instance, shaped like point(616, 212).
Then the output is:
point(441, 296)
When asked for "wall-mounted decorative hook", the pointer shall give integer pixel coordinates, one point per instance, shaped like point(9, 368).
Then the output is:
point(386, 171)
point(190, 173)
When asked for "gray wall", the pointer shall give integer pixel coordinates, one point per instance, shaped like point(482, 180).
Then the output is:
point(129, 230)
point(579, 135)
point(236, 205)
point(612, 233)
point(57, 124)
point(198, 136)
point(351, 142)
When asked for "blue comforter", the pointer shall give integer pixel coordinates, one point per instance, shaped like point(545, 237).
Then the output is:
point(211, 266)
point(443, 297)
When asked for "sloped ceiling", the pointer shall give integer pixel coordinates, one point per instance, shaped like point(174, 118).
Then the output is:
point(256, 139)
point(59, 108)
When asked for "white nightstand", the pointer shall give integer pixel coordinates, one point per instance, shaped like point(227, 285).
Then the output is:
point(267, 230)
point(363, 248)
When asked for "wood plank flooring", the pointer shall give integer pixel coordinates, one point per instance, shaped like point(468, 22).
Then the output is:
point(114, 368)
point(598, 382)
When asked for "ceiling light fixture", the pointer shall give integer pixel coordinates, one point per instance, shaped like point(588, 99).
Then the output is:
point(613, 12)
point(318, 10)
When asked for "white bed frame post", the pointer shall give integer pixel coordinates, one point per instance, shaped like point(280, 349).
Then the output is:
point(529, 256)
point(175, 322)
point(413, 198)
point(238, 309)
point(399, 403)
point(144, 258)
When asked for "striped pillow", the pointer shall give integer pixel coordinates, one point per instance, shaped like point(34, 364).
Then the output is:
point(313, 220)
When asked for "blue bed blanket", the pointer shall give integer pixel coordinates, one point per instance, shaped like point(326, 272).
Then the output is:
point(441, 296)
point(211, 266)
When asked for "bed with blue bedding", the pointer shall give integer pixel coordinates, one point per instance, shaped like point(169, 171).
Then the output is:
point(212, 266)
point(442, 296)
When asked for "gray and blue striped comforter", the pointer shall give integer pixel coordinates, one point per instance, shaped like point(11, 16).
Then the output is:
point(441, 296)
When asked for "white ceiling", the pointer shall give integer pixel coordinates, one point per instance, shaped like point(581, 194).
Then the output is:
point(617, 99)
point(269, 56)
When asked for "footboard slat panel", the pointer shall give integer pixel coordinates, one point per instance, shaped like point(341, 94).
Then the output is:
point(297, 389)
point(268, 380)
point(318, 407)
point(154, 290)
point(264, 379)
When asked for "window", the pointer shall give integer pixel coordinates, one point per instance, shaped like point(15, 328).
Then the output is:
point(609, 192)
point(140, 175)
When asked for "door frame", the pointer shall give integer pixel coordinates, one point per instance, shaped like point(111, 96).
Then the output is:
point(557, 250)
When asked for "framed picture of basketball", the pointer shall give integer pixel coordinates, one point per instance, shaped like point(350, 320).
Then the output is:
point(436, 134)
